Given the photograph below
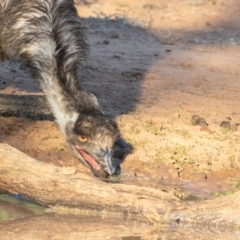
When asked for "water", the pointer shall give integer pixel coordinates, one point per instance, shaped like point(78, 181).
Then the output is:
point(25, 216)
point(15, 208)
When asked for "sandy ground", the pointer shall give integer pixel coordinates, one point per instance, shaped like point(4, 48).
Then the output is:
point(154, 65)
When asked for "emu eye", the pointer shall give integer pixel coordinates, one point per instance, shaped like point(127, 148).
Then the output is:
point(82, 138)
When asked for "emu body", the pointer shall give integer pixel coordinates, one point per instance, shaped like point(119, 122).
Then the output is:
point(46, 35)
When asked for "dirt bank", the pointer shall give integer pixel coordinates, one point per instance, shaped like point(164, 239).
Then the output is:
point(154, 66)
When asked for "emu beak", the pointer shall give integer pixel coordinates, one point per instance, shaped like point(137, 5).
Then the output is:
point(107, 162)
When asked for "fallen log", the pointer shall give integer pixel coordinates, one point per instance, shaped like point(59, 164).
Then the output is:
point(51, 185)
point(60, 186)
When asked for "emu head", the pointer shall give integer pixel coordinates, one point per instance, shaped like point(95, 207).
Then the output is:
point(92, 137)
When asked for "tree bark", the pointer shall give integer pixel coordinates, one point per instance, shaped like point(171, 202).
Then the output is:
point(51, 185)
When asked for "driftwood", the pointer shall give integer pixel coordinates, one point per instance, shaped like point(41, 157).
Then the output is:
point(51, 185)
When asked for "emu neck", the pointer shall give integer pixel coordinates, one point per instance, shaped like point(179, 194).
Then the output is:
point(61, 105)
point(66, 98)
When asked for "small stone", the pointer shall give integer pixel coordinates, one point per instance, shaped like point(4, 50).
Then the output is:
point(106, 41)
point(196, 120)
point(202, 122)
point(116, 56)
point(114, 36)
point(226, 125)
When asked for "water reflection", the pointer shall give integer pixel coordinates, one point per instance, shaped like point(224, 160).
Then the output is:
point(29, 221)
point(12, 207)
point(57, 226)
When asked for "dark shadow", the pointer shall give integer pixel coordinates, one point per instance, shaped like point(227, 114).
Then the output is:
point(116, 68)
point(113, 74)
point(115, 77)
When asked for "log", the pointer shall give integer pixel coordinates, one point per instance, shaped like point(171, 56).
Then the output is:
point(63, 186)
point(60, 186)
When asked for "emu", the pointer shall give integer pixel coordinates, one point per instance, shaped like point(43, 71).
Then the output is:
point(46, 35)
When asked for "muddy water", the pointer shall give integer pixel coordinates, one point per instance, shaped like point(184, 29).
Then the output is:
point(25, 216)
point(12, 207)
point(185, 189)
